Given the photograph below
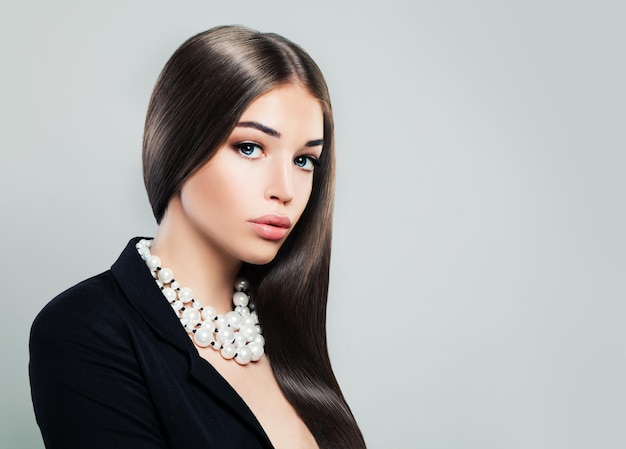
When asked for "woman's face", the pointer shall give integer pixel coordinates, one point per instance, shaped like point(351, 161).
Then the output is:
point(249, 196)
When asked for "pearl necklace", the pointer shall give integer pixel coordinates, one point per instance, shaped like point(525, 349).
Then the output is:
point(236, 334)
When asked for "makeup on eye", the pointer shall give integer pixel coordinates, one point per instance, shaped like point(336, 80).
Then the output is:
point(251, 150)
point(306, 162)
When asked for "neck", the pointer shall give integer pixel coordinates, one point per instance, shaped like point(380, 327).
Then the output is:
point(195, 261)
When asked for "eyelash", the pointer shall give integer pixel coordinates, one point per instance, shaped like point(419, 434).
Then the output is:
point(313, 160)
point(240, 147)
point(246, 145)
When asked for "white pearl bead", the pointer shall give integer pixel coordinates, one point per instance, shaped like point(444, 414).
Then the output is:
point(177, 305)
point(203, 337)
point(241, 284)
point(189, 326)
point(209, 313)
point(234, 319)
point(166, 275)
point(249, 332)
point(221, 322)
point(191, 315)
point(257, 350)
point(226, 335)
point(229, 351)
point(248, 321)
point(240, 339)
point(244, 355)
point(243, 311)
point(153, 262)
point(209, 325)
point(159, 284)
point(169, 293)
point(240, 299)
point(259, 339)
point(143, 252)
point(185, 294)
point(175, 285)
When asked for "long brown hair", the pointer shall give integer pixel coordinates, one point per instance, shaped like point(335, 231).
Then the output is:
point(198, 99)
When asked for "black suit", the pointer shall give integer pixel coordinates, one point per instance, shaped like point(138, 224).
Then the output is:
point(112, 367)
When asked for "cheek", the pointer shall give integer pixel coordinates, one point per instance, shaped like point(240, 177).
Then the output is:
point(305, 189)
point(203, 194)
point(215, 185)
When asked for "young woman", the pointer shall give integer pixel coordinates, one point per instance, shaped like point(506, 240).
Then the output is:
point(212, 334)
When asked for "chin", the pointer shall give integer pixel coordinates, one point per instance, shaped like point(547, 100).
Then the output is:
point(259, 261)
point(260, 257)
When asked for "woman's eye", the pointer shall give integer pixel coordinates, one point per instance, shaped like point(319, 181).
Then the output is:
point(306, 162)
point(249, 150)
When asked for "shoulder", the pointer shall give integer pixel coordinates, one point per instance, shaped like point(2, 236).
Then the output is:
point(86, 377)
point(89, 304)
point(85, 331)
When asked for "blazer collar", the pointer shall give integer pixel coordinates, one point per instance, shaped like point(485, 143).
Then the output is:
point(145, 296)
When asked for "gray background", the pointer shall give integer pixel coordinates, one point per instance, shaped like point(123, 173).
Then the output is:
point(478, 278)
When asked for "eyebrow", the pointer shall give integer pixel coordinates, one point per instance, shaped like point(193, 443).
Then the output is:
point(256, 125)
point(315, 143)
point(272, 132)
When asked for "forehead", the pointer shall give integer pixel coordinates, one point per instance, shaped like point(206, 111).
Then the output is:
point(289, 108)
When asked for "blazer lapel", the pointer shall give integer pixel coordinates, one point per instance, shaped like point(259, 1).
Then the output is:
point(206, 375)
point(145, 296)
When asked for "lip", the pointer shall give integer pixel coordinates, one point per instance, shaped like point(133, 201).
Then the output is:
point(271, 226)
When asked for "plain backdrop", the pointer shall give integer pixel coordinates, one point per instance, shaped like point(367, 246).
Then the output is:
point(478, 278)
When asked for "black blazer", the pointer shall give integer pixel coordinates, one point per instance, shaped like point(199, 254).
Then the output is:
point(111, 367)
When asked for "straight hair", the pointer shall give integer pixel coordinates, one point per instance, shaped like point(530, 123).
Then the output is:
point(197, 101)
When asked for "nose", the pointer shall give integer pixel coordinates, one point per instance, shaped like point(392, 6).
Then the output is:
point(280, 182)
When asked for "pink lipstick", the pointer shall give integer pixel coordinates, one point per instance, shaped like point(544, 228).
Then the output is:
point(271, 226)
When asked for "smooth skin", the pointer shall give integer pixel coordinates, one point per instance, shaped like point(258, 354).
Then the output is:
point(264, 168)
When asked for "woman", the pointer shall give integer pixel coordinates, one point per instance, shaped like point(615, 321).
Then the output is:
point(239, 168)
